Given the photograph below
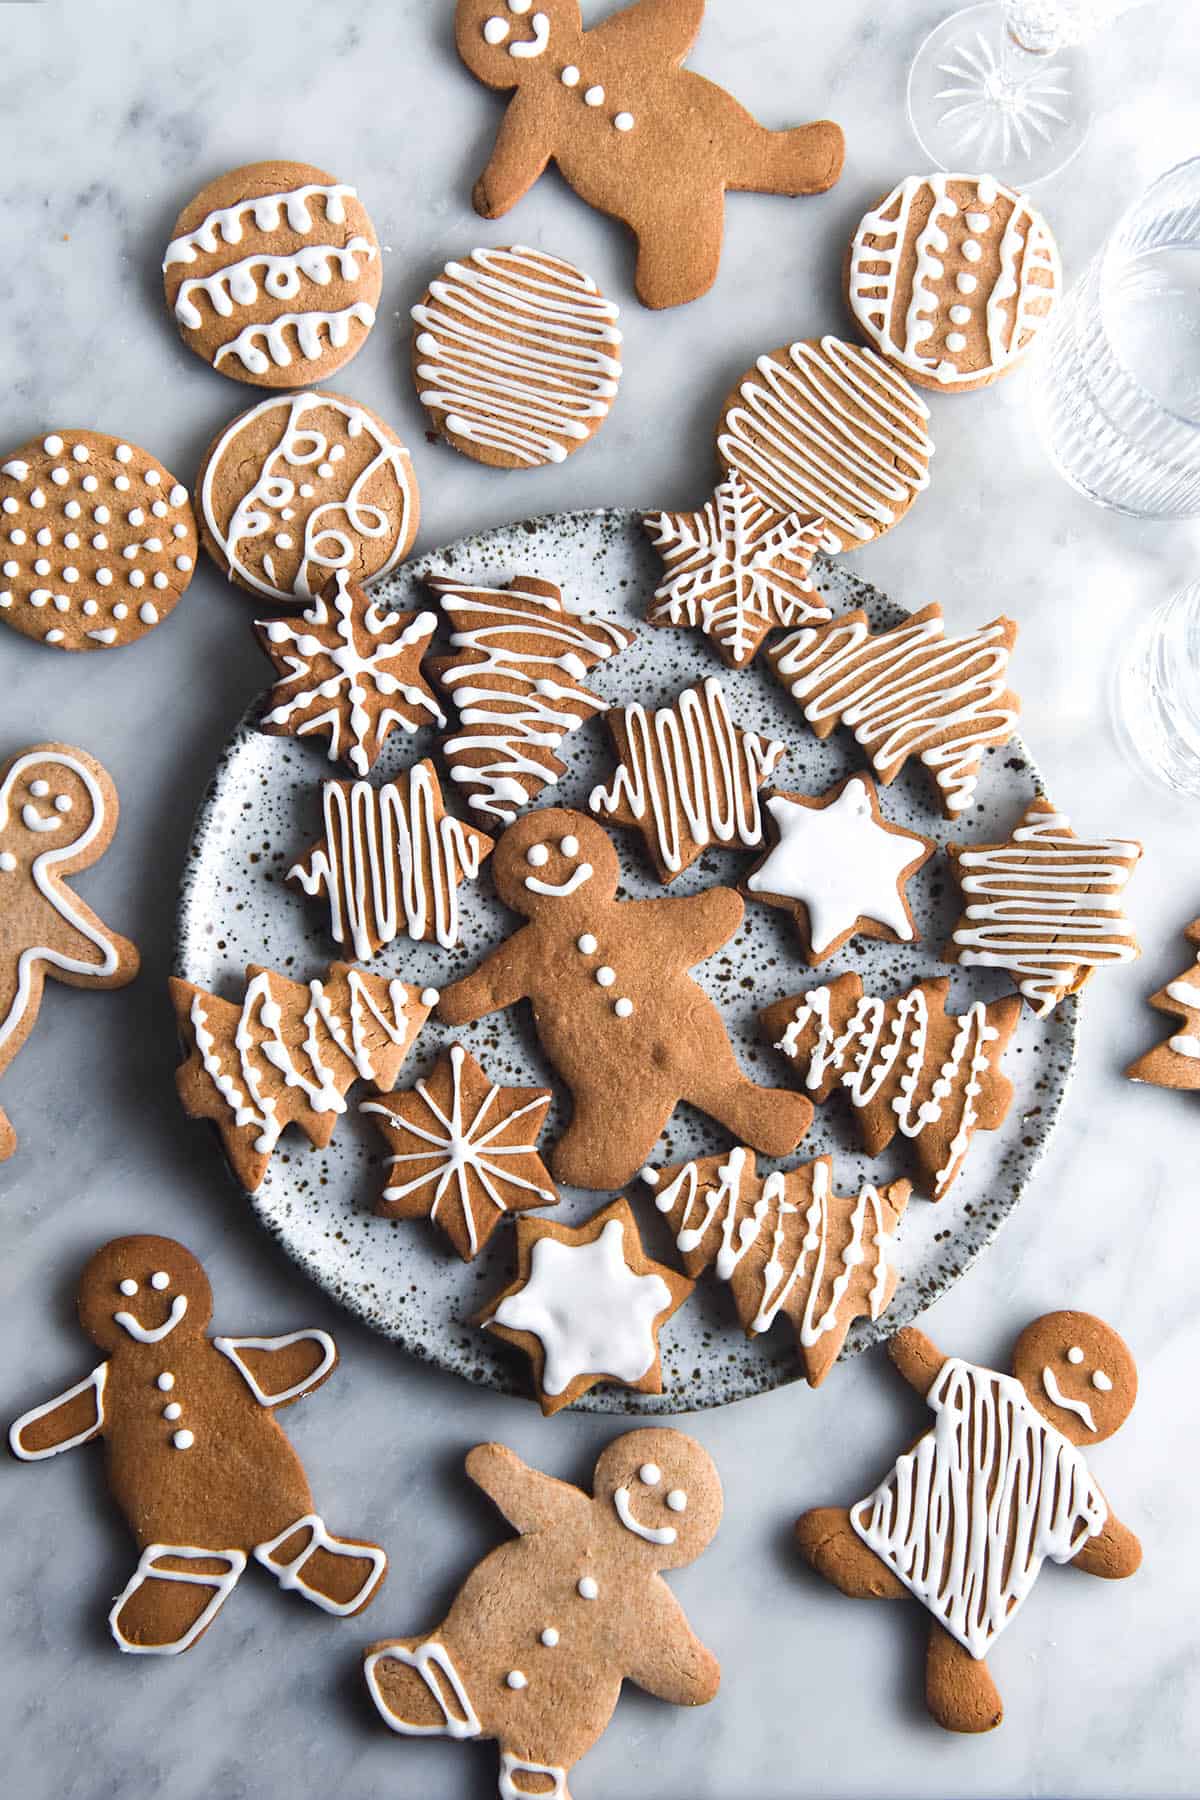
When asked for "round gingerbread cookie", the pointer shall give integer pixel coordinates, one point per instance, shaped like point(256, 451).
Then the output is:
point(516, 357)
point(829, 430)
point(303, 485)
point(97, 541)
point(273, 274)
point(952, 277)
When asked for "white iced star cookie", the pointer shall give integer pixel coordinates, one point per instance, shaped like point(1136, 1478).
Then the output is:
point(839, 867)
point(587, 1305)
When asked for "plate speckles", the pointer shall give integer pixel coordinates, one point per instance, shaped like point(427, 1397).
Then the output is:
point(263, 808)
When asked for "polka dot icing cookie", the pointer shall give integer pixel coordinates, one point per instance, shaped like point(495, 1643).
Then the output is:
point(829, 430)
point(273, 274)
point(97, 541)
point(516, 357)
point(304, 486)
point(952, 277)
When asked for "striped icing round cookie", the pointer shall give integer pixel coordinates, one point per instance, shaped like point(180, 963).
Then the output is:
point(829, 430)
point(273, 274)
point(97, 540)
point(516, 357)
point(952, 277)
point(302, 486)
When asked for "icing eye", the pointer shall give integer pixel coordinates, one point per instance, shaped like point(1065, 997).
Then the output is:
point(569, 846)
point(63, 803)
point(650, 1474)
point(160, 1280)
point(538, 856)
point(1101, 1381)
point(1074, 1354)
point(39, 789)
point(677, 1500)
point(519, 6)
point(496, 30)
point(128, 1287)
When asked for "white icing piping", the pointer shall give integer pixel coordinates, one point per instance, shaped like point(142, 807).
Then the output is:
point(153, 1335)
point(653, 1534)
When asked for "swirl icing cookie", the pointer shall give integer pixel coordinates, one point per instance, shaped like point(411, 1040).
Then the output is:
point(97, 541)
point(273, 274)
point(516, 357)
point(829, 430)
point(952, 277)
point(302, 487)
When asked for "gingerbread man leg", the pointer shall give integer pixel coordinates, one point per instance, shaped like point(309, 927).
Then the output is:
point(829, 1542)
point(523, 1777)
point(663, 278)
point(339, 1575)
point(173, 1596)
point(601, 1147)
point(417, 1689)
point(772, 1120)
point(959, 1690)
point(806, 160)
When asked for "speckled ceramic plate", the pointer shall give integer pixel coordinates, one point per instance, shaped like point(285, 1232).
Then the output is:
point(263, 809)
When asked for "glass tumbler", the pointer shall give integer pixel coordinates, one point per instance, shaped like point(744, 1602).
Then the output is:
point(1116, 375)
point(1156, 695)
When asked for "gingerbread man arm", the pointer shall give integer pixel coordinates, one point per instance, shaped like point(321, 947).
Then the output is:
point(280, 1370)
point(500, 980)
point(696, 924)
point(671, 25)
point(668, 1659)
point(60, 1424)
point(529, 1500)
point(519, 156)
point(1113, 1553)
point(917, 1357)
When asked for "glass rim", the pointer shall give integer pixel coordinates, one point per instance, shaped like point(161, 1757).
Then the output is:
point(1115, 237)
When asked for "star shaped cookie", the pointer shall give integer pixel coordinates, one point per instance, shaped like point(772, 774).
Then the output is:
point(839, 868)
point(1045, 906)
point(351, 672)
point(463, 1151)
point(736, 569)
point(587, 1306)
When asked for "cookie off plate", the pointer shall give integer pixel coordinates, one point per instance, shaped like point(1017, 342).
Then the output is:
point(263, 810)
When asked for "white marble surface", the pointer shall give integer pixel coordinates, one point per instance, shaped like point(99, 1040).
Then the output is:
point(113, 115)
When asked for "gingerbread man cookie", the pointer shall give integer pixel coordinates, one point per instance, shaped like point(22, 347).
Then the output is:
point(637, 136)
point(201, 1471)
point(58, 812)
point(543, 1631)
point(617, 1014)
point(998, 1487)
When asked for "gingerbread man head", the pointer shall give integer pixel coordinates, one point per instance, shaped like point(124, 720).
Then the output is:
point(144, 1290)
point(555, 866)
point(502, 40)
point(1078, 1373)
point(660, 1489)
point(53, 799)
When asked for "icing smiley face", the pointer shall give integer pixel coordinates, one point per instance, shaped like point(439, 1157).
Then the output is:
point(143, 1290)
point(1078, 1373)
point(554, 862)
point(661, 1489)
point(502, 41)
point(49, 803)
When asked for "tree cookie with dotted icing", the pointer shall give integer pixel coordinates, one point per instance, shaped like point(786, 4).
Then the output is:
point(303, 487)
point(97, 541)
point(273, 274)
point(516, 357)
point(952, 277)
point(58, 813)
point(829, 430)
point(204, 1476)
point(997, 1487)
point(1175, 1063)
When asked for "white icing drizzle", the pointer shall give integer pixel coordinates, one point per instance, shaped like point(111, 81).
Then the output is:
point(329, 544)
point(692, 771)
point(592, 1314)
point(388, 863)
point(653, 1534)
point(515, 350)
point(910, 691)
point(96, 1382)
point(259, 1041)
point(521, 638)
point(237, 284)
point(534, 46)
point(1039, 913)
point(310, 329)
point(427, 1656)
point(232, 1348)
point(511, 1766)
point(334, 697)
point(1054, 1393)
point(144, 1334)
point(291, 1575)
point(227, 223)
point(147, 1570)
point(464, 1150)
point(967, 1518)
point(832, 432)
point(885, 1038)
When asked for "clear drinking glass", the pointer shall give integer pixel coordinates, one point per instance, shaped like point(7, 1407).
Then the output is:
point(1116, 374)
point(1006, 86)
point(1156, 694)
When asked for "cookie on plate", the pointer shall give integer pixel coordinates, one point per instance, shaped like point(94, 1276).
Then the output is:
point(998, 1487)
point(97, 541)
point(304, 487)
point(273, 274)
point(516, 357)
point(952, 277)
point(203, 1474)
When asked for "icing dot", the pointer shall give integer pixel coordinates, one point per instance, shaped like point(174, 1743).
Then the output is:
point(60, 477)
point(160, 1280)
point(104, 577)
point(8, 861)
point(977, 221)
point(37, 498)
point(325, 470)
point(55, 636)
point(12, 568)
point(121, 483)
point(160, 509)
point(648, 1175)
point(16, 537)
point(45, 536)
point(515, 1679)
point(606, 976)
point(53, 446)
point(40, 567)
point(183, 1440)
point(650, 1474)
point(594, 97)
point(306, 490)
point(152, 477)
point(71, 541)
point(179, 531)
point(39, 790)
point(1101, 1381)
point(63, 803)
point(1074, 1354)
point(160, 580)
point(70, 573)
point(90, 608)
point(124, 453)
point(586, 945)
point(184, 563)
point(966, 284)
point(519, 6)
point(173, 1410)
point(537, 856)
point(495, 31)
point(136, 578)
point(80, 452)
point(72, 509)
point(165, 1382)
point(120, 610)
point(148, 613)
point(282, 541)
point(10, 505)
point(130, 551)
point(127, 1286)
point(623, 1007)
point(549, 1637)
point(960, 315)
point(569, 846)
point(153, 544)
point(588, 1587)
point(624, 121)
point(90, 484)
point(570, 76)
point(971, 250)
point(101, 515)
point(955, 341)
point(178, 494)
point(429, 996)
point(137, 516)
point(677, 1500)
